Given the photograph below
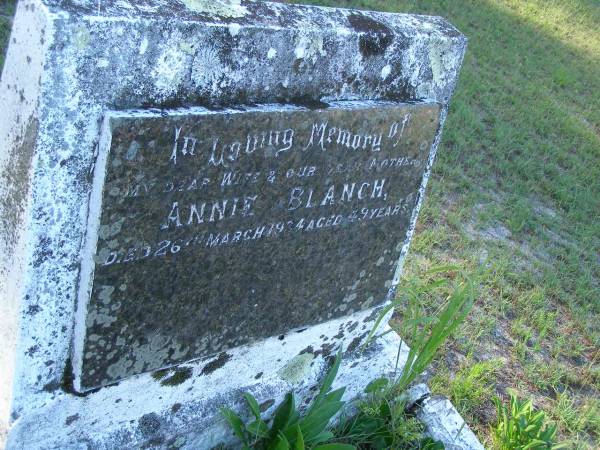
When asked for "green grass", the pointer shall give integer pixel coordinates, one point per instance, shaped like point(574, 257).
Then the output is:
point(470, 389)
point(515, 194)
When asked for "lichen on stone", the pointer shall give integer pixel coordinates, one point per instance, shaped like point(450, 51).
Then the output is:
point(297, 368)
point(222, 8)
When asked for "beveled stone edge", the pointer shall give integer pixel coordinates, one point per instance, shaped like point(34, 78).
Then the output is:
point(88, 249)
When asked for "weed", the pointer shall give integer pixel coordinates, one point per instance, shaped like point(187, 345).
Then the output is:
point(289, 429)
point(566, 413)
point(577, 416)
point(521, 427)
point(382, 423)
point(427, 334)
point(549, 377)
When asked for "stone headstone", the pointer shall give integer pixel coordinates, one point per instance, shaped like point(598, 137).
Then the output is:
point(199, 199)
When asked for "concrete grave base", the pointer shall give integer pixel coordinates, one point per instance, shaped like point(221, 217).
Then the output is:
point(441, 419)
point(180, 408)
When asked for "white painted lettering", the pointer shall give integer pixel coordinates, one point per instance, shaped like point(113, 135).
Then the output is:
point(173, 217)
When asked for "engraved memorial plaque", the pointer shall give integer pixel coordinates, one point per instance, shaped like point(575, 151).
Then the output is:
point(212, 229)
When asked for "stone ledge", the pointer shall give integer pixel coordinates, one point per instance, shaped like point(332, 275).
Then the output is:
point(186, 414)
point(441, 419)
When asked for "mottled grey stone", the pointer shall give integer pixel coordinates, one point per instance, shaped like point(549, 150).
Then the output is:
point(441, 419)
point(444, 424)
point(215, 229)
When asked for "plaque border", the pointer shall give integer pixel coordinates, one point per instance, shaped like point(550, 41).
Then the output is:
point(98, 171)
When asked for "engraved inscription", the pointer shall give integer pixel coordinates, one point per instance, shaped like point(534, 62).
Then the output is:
point(215, 229)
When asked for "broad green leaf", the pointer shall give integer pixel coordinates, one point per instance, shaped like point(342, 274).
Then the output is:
point(317, 420)
point(235, 422)
point(280, 443)
point(328, 380)
point(258, 428)
point(376, 385)
point(534, 444)
point(299, 445)
point(253, 404)
point(324, 436)
point(282, 415)
point(334, 396)
point(335, 447)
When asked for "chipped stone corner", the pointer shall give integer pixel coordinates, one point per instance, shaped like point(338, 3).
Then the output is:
point(441, 419)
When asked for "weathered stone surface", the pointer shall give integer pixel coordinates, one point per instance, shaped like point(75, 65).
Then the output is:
point(441, 419)
point(69, 62)
point(215, 229)
point(185, 401)
point(444, 424)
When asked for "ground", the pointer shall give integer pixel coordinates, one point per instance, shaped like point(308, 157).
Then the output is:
point(515, 200)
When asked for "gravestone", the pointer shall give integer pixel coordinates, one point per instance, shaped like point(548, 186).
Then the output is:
point(201, 199)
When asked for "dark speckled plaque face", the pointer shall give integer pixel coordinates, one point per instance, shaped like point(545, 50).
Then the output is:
point(213, 229)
